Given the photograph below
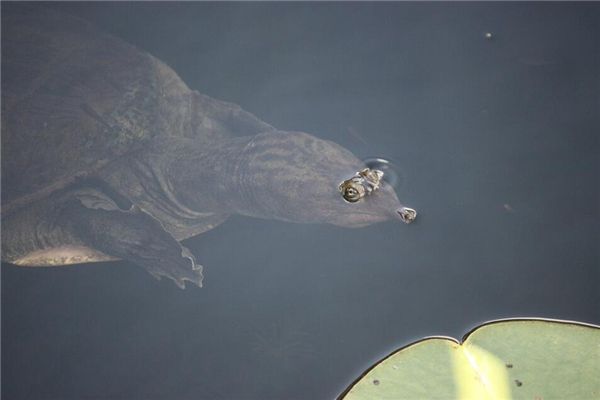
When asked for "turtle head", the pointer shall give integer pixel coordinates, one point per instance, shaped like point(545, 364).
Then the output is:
point(296, 177)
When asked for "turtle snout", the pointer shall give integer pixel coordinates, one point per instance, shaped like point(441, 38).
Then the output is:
point(407, 215)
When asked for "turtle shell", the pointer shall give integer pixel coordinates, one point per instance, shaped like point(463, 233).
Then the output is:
point(75, 99)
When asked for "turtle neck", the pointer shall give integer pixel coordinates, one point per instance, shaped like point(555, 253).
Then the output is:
point(207, 178)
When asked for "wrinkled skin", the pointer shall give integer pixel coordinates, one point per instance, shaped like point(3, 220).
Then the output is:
point(289, 176)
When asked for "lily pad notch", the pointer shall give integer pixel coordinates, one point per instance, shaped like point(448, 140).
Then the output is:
point(519, 358)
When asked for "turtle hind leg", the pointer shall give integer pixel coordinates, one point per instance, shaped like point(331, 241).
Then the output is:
point(133, 235)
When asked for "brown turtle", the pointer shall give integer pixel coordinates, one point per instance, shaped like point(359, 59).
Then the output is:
point(107, 154)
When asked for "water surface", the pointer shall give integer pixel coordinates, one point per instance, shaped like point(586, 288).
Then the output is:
point(497, 142)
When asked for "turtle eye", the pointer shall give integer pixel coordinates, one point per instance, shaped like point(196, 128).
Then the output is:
point(352, 191)
point(361, 184)
point(351, 195)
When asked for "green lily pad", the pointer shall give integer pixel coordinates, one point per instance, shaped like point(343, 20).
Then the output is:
point(530, 359)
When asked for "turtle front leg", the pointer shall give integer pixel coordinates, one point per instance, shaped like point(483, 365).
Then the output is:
point(133, 235)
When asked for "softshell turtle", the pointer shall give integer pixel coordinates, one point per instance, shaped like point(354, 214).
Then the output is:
point(107, 154)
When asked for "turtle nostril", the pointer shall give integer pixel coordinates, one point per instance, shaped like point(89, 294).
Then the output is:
point(407, 215)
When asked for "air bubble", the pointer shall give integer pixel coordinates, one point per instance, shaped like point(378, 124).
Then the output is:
point(392, 174)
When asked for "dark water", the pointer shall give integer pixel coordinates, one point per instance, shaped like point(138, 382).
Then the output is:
point(497, 142)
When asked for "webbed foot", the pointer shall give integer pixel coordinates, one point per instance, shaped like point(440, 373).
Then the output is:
point(132, 235)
